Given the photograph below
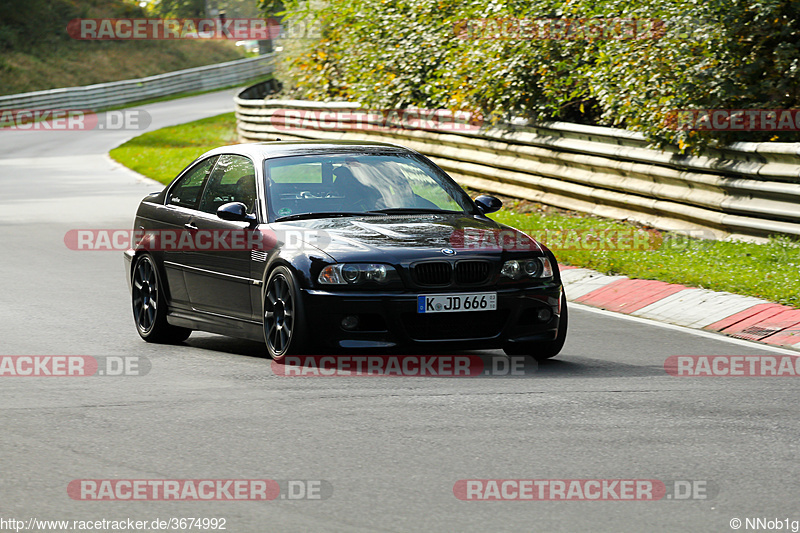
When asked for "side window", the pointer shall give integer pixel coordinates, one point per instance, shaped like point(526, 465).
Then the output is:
point(233, 180)
point(186, 192)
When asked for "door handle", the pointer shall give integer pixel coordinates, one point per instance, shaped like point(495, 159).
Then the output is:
point(190, 225)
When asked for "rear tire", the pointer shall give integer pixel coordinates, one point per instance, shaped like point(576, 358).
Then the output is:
point(548, 349)
point(150, 305)
point(284, 321)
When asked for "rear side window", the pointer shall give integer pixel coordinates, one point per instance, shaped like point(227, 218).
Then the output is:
point(233, 180)
point(187, 191)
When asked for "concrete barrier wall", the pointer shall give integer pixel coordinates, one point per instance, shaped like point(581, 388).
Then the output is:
point(118, 93)
point(749, 190)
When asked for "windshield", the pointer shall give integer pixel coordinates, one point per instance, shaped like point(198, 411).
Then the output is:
point(363, 184)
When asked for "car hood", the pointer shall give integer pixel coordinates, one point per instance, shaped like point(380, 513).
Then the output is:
point(399, 238)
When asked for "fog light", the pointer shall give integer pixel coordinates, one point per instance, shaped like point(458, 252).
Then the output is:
point(544, 315)
point(350, 322)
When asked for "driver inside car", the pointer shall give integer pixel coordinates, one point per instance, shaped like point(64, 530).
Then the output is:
point(357, 196)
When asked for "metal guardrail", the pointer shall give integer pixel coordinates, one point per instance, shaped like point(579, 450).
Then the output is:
point(106, 95)
point(748, 190)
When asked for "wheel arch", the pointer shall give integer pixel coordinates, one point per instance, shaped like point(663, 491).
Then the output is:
point(162, 275)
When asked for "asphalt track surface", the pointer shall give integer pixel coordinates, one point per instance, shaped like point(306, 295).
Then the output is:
point(391, 448)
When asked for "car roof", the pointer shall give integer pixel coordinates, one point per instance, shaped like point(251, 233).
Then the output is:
point(268, 150)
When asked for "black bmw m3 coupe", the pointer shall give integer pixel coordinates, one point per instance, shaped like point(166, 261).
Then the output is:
point(309, 246)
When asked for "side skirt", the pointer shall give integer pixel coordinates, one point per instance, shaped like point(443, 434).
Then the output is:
point(219, 324)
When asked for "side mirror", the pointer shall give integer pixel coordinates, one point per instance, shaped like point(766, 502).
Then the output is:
point(488, 204)
point(235, 212)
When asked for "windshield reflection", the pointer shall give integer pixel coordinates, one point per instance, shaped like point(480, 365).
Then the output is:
point(325, 185)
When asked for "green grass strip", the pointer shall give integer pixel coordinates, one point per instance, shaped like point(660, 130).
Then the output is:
point(163, 153)
point(770, 271)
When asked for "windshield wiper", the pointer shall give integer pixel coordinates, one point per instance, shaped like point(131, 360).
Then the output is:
point(330, 214)
point(411, 210)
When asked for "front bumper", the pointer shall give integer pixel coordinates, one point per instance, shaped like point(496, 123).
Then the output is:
point(390, 319)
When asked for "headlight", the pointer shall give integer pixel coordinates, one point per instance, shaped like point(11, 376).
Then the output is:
point(356, 273)
point(536, 267)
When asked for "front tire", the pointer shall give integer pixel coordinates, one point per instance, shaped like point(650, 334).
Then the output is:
point(150, 305)
point(549, 349)
point(284, 320)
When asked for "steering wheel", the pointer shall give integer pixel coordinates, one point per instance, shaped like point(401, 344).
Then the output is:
point(359, 204)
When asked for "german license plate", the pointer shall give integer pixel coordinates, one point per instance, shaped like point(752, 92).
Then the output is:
point(455, 303)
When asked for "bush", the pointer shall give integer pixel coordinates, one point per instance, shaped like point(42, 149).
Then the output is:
point(733, 54)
